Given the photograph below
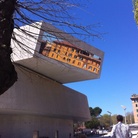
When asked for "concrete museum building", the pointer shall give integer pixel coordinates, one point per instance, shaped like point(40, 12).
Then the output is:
point(39, 104)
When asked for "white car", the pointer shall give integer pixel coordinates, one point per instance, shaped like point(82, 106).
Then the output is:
point(102, 131)
point(134, 130)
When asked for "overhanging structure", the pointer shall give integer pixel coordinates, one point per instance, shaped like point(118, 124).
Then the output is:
point(60, 70)
point(38, 105)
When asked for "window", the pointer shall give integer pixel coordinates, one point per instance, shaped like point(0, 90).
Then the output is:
point(72, 49)
point(43, 44)
point(81, 58)
point(90, 68)
point(68, 60)
point(84, 66)
point(75, 56)
point(64, 58)
point(73, 61)
point(94, 70)
point(77, 51)
point(79, 63)
point(58, 51)
point(52, 55)
point(85, 60)
point(136, 105)
point(70, 55)
point(94, 63)
point(54, 50)
point(135, 101)
point(84, 52)
point(137, 110)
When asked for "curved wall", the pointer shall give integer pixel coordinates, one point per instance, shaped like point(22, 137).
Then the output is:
point(36, 103)
point(33, 94)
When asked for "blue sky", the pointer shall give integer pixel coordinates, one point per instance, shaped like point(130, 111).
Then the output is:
point(119, 76)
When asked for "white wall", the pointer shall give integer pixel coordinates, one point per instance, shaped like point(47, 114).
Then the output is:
point(27, 40)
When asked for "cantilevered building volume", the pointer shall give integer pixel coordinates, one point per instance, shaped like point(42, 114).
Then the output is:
point(56, 54)
point(39, 105)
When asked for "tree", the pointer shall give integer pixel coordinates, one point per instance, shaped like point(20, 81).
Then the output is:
point(8, 74)
point(105, 120)
point(129, 118)
point(14, 13)
point(95, 111)
point(114, 120)
point(135, 3)
point(94, 122)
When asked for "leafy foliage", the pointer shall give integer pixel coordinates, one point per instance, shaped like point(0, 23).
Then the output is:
point(94, 122)
point(105, 120)
point(95, 111)
point(135, 2)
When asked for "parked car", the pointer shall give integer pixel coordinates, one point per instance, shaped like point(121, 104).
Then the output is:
point(87, 132)
point(102, 131)
point(134, 130)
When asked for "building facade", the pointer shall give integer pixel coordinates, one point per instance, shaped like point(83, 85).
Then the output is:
point(134, 99)
point(38, 105)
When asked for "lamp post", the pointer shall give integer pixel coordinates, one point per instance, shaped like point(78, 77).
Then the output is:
point(110, 117)
point(124, 111)
point(100, 119)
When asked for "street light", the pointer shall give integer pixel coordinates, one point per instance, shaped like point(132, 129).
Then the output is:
point(110, 117)
point(124, 111)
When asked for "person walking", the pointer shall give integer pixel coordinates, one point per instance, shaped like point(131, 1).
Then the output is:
point(120, 130)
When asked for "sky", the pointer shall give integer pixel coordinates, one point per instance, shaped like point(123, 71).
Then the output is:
point(119, 75)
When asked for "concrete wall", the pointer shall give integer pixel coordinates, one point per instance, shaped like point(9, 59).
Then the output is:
point(26, 53)
point(38, 103)
point(24, 126)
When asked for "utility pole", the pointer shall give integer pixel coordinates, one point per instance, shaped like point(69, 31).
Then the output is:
point(110, 117)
